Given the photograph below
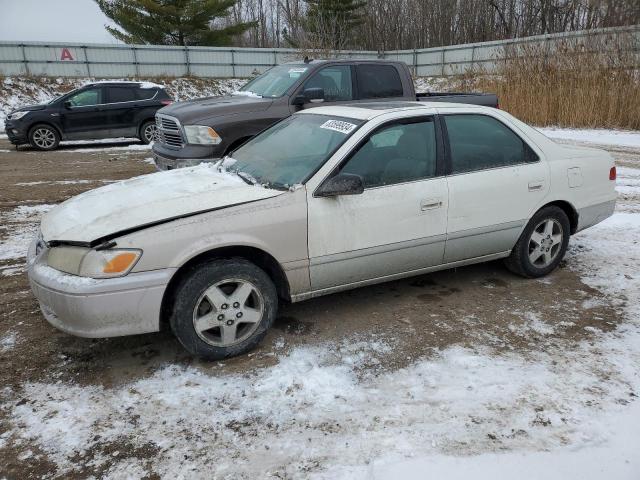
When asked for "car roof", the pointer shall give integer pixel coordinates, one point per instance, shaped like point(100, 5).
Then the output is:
point(129, 83)
point(369, 110)
point(355, 59)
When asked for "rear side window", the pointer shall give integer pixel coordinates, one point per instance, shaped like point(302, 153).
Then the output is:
point(121, 94)
point(480, 142)
point(378, 81)
point(145, 93)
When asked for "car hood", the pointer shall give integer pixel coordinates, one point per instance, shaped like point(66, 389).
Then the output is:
point(113, 210)
point(193, 111)
point(29, 108)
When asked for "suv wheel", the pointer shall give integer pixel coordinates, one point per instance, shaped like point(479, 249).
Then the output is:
point(44, 137)
point(542, 245)
point(223, 308)
point(148, 132)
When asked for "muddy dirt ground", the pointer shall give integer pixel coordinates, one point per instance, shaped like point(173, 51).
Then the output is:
point(471, 306)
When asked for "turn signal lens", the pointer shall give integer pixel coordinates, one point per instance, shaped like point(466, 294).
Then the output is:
point(612, 173)
point(120, 263)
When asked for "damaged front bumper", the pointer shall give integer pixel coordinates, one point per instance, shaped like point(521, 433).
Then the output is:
point(93, 308)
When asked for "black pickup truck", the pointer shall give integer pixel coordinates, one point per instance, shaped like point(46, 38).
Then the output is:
point(205, 129)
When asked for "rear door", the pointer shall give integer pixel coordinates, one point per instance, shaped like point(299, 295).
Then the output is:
point(496, 181)
point(122, 110)
point(397, 224)
point(83, 113)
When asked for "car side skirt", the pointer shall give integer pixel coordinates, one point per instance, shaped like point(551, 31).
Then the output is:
point(372, 281)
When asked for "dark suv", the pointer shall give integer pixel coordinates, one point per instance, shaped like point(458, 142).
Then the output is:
point(94, 111)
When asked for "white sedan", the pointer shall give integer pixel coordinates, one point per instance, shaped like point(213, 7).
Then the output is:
point(331, 198)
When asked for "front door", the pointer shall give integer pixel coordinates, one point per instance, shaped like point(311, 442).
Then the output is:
point(496, 183)
point(397, 225)
point(83, 113)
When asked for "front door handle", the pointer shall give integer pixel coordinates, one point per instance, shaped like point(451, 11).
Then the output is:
point(430, 204)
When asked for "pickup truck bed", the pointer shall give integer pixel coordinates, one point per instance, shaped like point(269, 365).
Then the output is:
point(209, 128)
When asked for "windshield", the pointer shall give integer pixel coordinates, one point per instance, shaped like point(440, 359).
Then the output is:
point(289, 152)
point(275, 82)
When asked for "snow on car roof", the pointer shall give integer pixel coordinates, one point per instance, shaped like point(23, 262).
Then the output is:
point(141, 84)
point(367, 111)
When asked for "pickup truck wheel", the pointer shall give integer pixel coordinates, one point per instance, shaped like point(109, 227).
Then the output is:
point(542, 245)
point(148, 132)
point(223, 308)
point(44, 137)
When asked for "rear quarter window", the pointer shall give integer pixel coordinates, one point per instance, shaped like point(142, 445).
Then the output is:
point(378, 81)
point(145, 93)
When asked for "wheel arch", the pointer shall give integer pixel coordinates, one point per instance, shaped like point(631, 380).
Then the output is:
point(255, 255)
point(567, 208)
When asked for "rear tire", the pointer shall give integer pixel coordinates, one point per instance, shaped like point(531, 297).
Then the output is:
point(44, 137)
point(542, 245)
point(223, 308)
point(147, 132)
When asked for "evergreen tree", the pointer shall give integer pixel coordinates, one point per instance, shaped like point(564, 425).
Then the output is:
point(171, 22)
point(331, 22)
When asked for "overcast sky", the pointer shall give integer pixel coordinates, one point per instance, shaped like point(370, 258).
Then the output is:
point(53, 21)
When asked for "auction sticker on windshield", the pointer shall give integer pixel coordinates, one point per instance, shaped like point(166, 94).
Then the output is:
point(338, 126)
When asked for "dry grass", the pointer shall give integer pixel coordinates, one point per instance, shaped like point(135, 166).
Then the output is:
point(576, 85)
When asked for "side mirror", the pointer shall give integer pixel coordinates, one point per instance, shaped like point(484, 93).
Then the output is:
point(67, 104)
point(341, 184)
point(314, 95)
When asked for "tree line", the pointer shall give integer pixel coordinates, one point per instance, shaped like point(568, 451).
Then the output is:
point(355, 24)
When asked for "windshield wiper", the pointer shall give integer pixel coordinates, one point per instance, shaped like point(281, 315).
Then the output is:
point(247, 178)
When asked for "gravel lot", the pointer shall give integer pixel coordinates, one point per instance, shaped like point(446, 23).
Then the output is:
point(467, 362)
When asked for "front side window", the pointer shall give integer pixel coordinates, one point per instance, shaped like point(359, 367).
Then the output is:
point(335, 81)
point(91, 96)
point(274, 82)
point(480, 142)
point(378, 81)
point(121, 94)
point(397, 153)
point(292, 150)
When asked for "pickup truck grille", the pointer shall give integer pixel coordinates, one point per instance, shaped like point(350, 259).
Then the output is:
point(169, 132)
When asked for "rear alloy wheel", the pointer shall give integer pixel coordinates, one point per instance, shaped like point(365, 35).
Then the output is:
point(223, 308)
point(44, 137)
point(542, 245)
point(148, 132)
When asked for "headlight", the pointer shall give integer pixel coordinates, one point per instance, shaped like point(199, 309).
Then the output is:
point(86, 262)
point(17, 115)
point(202, 135)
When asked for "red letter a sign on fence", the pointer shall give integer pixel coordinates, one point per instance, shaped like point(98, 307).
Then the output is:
point(66, 54)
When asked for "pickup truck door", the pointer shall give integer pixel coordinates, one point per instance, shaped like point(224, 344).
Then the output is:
point(496, 181)
point(397, 224)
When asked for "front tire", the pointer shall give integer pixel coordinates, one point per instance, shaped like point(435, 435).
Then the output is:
point(44, 137)
point(223, 308)
point(148, 132)
point(542, 245)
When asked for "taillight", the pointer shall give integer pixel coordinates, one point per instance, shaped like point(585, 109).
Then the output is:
point(166, 102)
point(498, 105)
point(612, 173)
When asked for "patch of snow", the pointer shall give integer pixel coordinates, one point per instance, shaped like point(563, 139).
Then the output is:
point(61, 278)
point(133, 147)
point(2, 150)
point(54, 182)
point(8, 342)
point(596, 136)
point(17, 229)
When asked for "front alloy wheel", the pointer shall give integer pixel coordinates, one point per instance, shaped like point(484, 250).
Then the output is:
point(44, 137)
point(223, 308)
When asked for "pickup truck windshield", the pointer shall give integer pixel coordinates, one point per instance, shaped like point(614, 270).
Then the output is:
point(275, 82)
point(291, 151)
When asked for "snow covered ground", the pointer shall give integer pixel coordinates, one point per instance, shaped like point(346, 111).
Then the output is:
point(324, 411)
point(620, 138)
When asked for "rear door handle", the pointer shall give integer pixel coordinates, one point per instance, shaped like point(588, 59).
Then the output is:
point(430, 204)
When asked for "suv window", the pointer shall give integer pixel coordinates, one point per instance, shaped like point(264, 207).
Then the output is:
point(397, 153)
point(335, 81)
point(480, 142)
point(121, 94)
point(145, 93)
point(91, 96)
point(378, 81)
